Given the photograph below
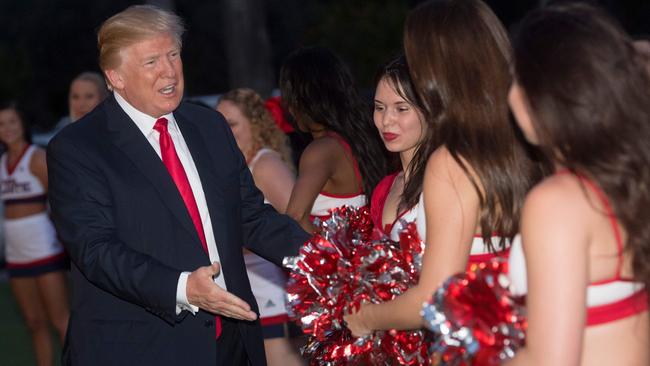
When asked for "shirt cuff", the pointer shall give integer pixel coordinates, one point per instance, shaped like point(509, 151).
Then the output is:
point(181, 296)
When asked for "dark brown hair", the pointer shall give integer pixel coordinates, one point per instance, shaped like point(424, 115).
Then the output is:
point(459, 56)
point(396, 73)
point(316, 83)
point(24, 122)
point(589, 93)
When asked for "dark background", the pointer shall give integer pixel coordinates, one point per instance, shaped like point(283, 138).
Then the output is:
point(229, 43)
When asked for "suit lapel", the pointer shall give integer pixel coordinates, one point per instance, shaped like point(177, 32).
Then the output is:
point(128, 138)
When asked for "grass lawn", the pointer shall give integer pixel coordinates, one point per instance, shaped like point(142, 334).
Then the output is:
point(15, 343)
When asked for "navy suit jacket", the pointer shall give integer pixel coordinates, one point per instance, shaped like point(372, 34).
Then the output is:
point(129, 236)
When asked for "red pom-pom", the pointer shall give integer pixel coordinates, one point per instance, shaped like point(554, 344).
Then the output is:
point(474, 318)
point(344, 265)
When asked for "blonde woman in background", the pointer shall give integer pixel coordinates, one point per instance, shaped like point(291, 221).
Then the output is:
point(267, 153)
point(87, 90)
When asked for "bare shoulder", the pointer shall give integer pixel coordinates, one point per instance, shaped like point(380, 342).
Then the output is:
point(558, 203)
point(38, 158)
point(320, 151)
point(442, 165)
point(270, 163)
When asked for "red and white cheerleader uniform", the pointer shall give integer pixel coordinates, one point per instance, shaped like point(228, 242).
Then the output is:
point(608, 300)
point(479, 251)
point(377, 203)
point(31, 245)
point(327, 201)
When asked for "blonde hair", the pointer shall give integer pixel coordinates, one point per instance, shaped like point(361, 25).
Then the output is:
point(96, 79)
point(264, 130)
point(132, 25)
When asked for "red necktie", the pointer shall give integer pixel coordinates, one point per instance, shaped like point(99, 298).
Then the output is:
point(177, 172)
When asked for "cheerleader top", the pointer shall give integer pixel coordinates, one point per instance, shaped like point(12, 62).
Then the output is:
point(327, 201)
point(17, 183)
point(377, 203)
point(479, 252)
point(608, 300)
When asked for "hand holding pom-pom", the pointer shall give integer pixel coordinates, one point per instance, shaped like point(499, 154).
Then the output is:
point(342, 266)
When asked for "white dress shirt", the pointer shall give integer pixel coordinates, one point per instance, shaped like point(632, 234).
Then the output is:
point(145, 123)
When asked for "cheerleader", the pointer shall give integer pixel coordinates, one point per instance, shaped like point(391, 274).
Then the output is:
point(399, 119)
point(268, 155)
point(476, 178)
point(345, 160)
point(35, 259)
point(581, 93)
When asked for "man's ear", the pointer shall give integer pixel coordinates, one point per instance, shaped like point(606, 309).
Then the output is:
point(115, 79)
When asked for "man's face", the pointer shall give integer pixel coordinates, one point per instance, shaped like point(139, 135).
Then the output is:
point(150, 76)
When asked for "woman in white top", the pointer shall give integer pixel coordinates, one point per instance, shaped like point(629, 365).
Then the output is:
point(266, 150)
point(476, 179)
point(36, 261)
point(582, 93)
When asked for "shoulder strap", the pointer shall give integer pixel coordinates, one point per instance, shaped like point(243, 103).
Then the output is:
point(348, 149)
point(610, 214)
point(257, 156)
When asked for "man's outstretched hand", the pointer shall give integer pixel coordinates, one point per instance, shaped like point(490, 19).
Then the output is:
point(207, 295)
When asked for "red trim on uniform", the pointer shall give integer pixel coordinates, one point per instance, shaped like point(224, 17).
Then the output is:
point(11, 168)
point(631, 305)
point(348, 149)
point(485, 257)
point(612, 219)
point(491, 235)
point(334, 195)
point(39, 262)
point(41, 198)
point(274, 320)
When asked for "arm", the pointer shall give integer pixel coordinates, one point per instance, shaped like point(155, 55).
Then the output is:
point(317, 165)
point(38, 167)
point(555, 244)
point(452, 208)
point(265, 232)
point(82, 210)
point(274, 178)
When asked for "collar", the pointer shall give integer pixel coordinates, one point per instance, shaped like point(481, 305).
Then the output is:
point(144, 121)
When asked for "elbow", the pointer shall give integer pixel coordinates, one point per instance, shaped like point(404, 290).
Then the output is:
point(295, 214)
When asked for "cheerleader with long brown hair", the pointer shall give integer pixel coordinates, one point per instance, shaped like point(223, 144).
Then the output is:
point(581, 93)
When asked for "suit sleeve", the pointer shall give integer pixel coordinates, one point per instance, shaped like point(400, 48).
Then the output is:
point(82, 211)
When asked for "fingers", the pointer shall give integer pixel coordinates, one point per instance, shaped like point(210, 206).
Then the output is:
point(234, 307)
point(236, 312)
point(215, 268)
point(233, 300)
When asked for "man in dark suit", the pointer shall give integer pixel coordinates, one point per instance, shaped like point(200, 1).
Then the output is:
point(147, 192)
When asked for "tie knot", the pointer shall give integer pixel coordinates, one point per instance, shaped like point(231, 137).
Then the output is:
point(161, 125)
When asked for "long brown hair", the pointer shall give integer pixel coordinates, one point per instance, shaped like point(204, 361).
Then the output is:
point(316, 83)
point(589, 94)
point(264, 130)
point(459, 56)
point(396, 73)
